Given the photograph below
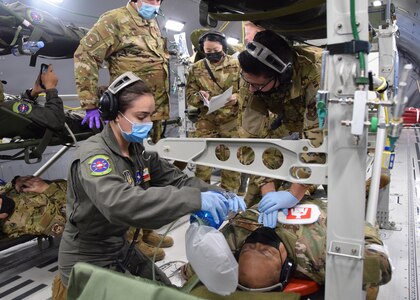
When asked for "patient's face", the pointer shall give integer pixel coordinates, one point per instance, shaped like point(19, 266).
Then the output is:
point(260, 264)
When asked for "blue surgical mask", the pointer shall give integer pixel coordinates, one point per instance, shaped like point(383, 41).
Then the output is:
point(148, 11)
point(139, 131)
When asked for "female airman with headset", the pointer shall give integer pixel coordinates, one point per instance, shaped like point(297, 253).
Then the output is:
point(114, 184)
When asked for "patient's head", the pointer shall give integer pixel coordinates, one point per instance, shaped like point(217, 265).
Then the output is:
point(261, 259)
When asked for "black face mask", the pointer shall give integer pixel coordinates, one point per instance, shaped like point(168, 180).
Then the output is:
point(7, 206)
point(214, 57)
point(264, 235)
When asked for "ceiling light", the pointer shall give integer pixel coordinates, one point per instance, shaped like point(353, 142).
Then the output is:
point(232, 41)
point(377, 3)
point(54, 1)
point(174, 25)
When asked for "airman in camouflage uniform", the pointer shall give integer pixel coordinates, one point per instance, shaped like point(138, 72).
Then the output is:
point(282, 114)
point(37, 213)
point(127, 42)
point(306, 245)
point(221, 123)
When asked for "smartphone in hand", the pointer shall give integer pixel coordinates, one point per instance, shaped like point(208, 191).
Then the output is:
point(44, 68)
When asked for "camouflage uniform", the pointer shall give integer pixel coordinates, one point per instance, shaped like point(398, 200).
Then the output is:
point(282, 113)
point(306, 245)
point(37, 213)
point(126, 42)
point(221, 123)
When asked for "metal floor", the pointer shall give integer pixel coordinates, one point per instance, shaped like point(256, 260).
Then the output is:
point(404, 204)
point(34, 270)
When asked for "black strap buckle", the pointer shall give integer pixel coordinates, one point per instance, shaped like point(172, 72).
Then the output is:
point(350, 47)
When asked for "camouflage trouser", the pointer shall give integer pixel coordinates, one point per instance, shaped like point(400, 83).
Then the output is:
point(230, 180)
point(59, 291)
point(156, 134)
point(159, 81)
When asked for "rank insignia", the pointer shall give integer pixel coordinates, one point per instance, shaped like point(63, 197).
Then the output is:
point(22, 108)
point(146, 175)
point(128, 177)
point(99, 165)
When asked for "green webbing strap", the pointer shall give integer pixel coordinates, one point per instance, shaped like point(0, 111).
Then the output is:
point(36, 152)
point(190, 284)
point(13, 42)
point(297, 7)
point(18, 30)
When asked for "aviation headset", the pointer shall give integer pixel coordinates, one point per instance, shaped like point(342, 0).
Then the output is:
point(214, 33)
point(271, 60)
point(108, 103)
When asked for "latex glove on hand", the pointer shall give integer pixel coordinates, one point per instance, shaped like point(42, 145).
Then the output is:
point(214, 203)
point(275, 201)
point(268, 219)
point(235, 203)
point(93, 116)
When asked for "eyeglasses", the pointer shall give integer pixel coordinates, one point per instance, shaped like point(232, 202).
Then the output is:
point(257, 87)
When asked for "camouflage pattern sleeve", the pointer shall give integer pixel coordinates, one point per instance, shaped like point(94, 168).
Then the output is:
point(193, 88)
point(99, 42)
point(377, 269)
point(38, 213)
point(56, 192)
point(311, 79)
point(253, 117)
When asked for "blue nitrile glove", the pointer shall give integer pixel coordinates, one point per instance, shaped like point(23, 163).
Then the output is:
point(275, 201)
point(235, 203)
point(268, 220)
point(92, 115)
point(213, 202)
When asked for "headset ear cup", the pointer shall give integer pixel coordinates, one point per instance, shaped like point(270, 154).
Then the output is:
point(225, 46)
point(108, 106)
point(200, 44)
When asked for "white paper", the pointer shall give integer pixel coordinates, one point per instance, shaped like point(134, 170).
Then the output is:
point(181, 42)
point(218, 101)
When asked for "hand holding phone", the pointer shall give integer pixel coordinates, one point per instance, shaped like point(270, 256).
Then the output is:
point(44, 68)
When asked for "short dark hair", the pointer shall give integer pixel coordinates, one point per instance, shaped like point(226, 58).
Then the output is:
point(128, 94)
point(273, 42)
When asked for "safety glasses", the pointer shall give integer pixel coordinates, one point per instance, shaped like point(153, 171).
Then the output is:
point(257, 87)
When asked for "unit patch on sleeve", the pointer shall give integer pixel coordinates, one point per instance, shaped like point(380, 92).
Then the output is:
point(99, 165)
point(22, 108)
